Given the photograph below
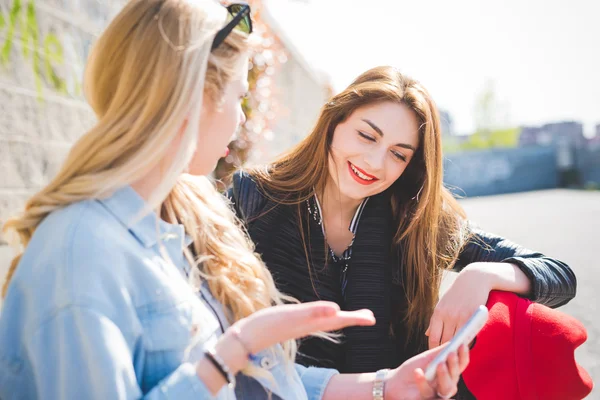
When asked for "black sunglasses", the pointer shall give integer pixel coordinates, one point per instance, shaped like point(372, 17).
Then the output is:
point(240, 19)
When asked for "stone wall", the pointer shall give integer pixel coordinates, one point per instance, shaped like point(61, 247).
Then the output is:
point(43, 49)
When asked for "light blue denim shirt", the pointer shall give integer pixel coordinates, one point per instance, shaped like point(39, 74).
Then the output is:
point(95, 311)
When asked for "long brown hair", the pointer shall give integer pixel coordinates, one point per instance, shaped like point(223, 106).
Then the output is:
point(431, 228)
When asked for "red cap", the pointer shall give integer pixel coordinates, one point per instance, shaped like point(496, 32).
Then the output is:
point(526, 351)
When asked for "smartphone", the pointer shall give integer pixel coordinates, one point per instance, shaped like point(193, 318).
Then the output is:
point(464, 336)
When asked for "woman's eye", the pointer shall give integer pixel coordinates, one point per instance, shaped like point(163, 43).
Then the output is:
point(399, 156)
point(365, 136)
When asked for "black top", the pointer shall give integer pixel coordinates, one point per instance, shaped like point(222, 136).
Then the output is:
point(341, 262)
point(373, 274)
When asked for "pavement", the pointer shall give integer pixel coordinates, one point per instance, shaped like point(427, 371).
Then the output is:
point(564, 224)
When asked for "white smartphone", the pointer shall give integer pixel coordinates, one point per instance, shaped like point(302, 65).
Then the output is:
point(464, 336)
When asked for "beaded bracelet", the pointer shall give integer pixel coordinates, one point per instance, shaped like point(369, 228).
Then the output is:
point(220, 365)
point(236, 334)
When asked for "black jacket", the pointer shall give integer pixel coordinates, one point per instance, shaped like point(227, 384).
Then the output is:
point(372, 275)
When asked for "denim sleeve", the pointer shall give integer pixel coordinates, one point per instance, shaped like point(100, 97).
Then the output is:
point(315, 380)
point(80, 353)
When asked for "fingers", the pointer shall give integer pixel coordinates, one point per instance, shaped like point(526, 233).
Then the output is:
point(343, 319)
point(448, 331)
point(422, 360)
point(443, 326)
point(436, 327)
point(445, 382)
point(360, 317)
point(293, 321)
point(319, 309)
point(463, 357)
point(425, 390)
point(326, 316)
point(453, 365)
point(448, 373)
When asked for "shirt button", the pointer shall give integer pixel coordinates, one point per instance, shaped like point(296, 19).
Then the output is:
point(266, 363)
point(169, 236)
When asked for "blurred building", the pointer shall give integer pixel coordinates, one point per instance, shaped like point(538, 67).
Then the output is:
point(577, 158)
point(568, 132)
point(301, 89)
point(566, 136)
point(594, 141)
point(590, 161)
point(446, 123)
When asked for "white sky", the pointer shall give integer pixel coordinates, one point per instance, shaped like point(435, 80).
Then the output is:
point(543, 56)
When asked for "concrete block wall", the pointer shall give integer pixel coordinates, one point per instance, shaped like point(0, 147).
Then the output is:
point(44, 45)
point(498, 171)
point(590, 166)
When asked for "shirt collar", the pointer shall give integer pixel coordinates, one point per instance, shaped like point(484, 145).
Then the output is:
point(355, 219)
point(126, 205)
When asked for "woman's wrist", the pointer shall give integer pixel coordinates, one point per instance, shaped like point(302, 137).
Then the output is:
point(381, 377)
point(483, 274)
point(231, 353)
point(499, 276)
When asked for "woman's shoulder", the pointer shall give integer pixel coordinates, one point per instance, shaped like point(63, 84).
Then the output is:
point(246, 194)
point(76, 253)
point(86, 225)
point(245, 182)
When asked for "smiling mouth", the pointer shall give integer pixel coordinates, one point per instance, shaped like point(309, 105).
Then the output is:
point(361, 176)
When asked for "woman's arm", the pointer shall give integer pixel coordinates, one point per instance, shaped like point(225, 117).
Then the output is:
point(551, 282)
point(80, 353)
point(490, 262)
point(405, 382)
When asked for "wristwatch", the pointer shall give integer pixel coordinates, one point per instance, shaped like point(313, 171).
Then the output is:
point(379, 384)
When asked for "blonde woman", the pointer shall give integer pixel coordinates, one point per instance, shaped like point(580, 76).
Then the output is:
point(105, 301)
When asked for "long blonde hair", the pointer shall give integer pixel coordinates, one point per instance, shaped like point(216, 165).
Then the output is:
point(145, 77)
point(147, 74)
point(236, 275)
point(430, 226)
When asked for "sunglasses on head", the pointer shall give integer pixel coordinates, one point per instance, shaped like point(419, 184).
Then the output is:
point(240, 19)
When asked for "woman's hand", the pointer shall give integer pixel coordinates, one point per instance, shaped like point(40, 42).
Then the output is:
point(408, 382)
point(274, 325)
point(470, 289)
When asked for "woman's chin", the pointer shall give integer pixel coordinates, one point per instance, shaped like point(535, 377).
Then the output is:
point(352, 191)
point(201, 169)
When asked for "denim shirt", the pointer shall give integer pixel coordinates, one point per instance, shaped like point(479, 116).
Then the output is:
point(95, 310)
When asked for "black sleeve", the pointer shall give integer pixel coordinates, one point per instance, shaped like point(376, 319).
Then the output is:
point(553, 282)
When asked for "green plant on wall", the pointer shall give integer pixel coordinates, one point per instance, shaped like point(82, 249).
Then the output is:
point(42, 54)
point(22, 40)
